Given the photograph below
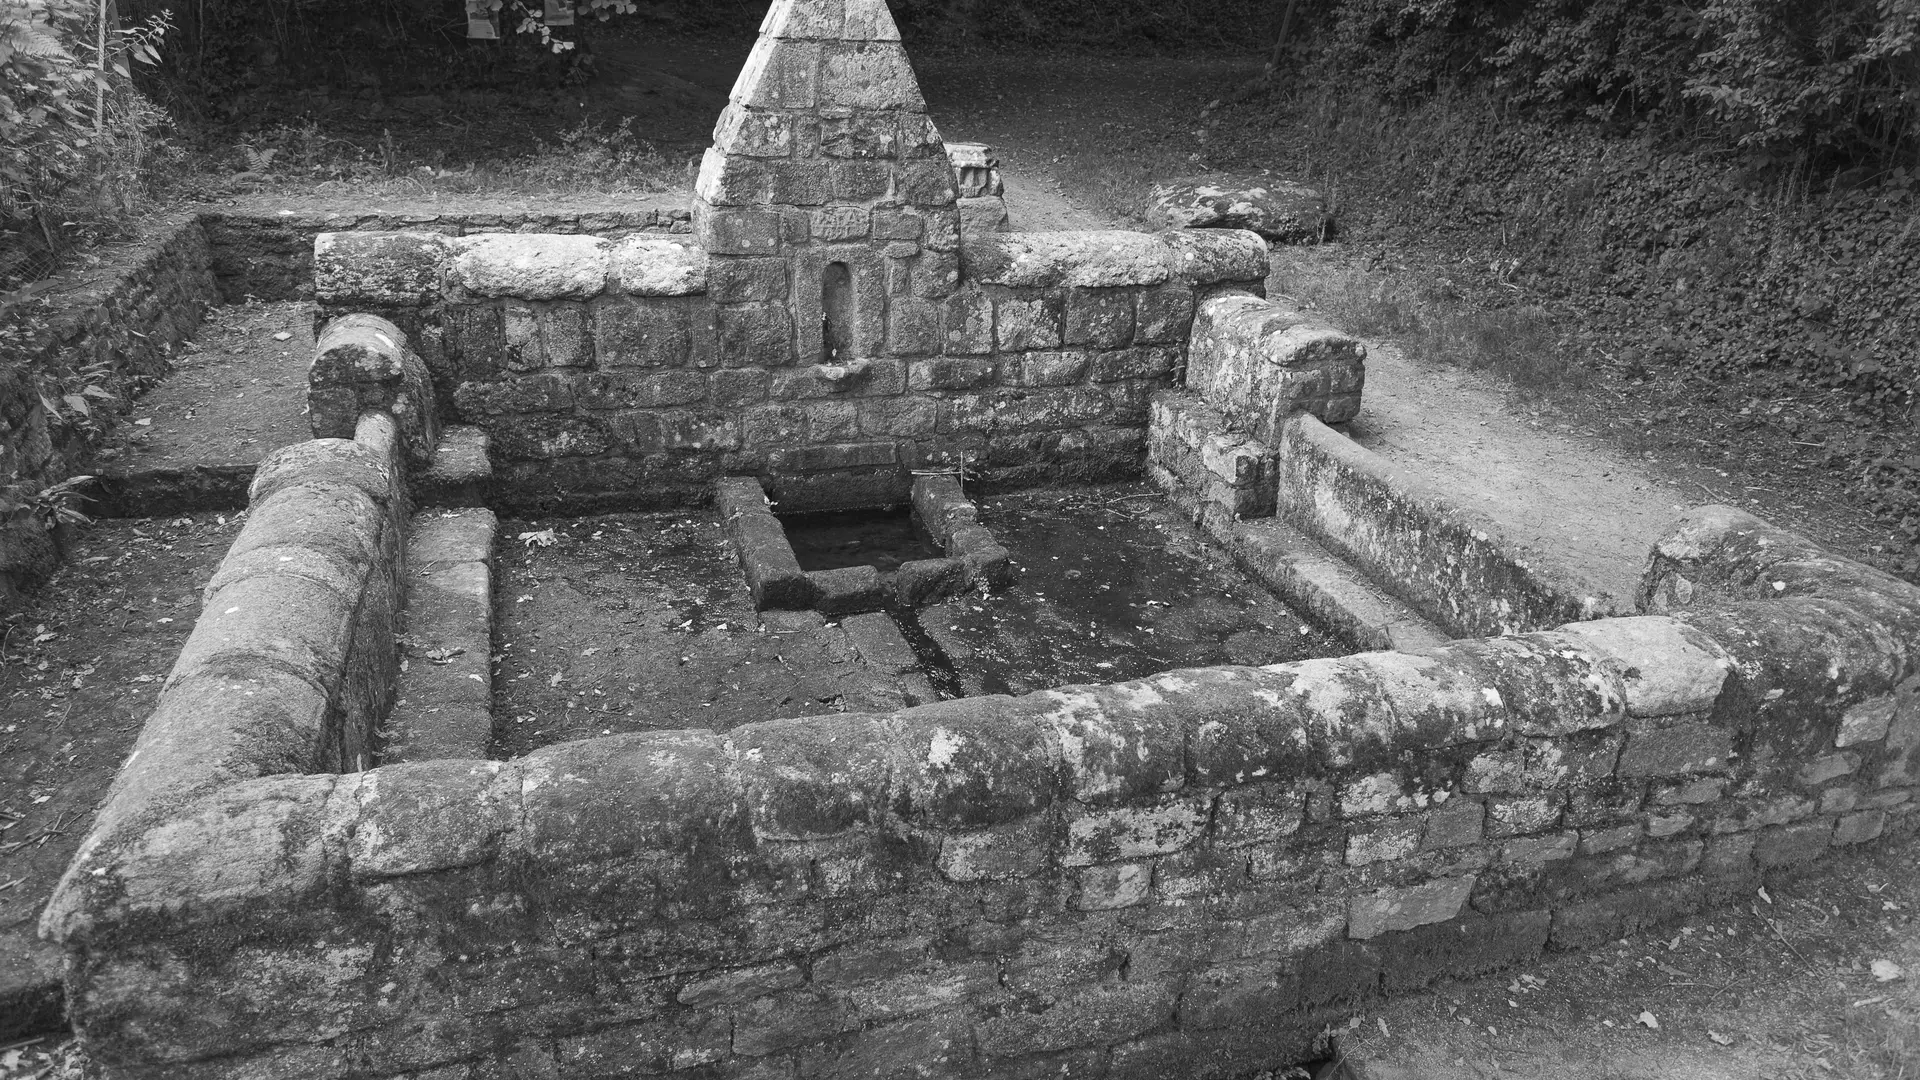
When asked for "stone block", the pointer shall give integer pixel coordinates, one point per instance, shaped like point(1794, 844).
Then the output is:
point(869, 75)
point(755, 335)
point(799, 183)
point(1145, 362)
point(734, 280)
point(837, 224)
point(898, 224)
point(773, 573)
point(1457, 824)
point(1676, 750)
point(984, 214)
point(1030, 322)
point(1384, 841)
point(737, 232)
point(1861, 827)
point(1134, 832)
point(1113, 886)
point(756, 132)
point(934, 275)
point(969, 324)
point(1373, 914)
point(926, 581)
point(860, 135)
point(1867, 721)
point(735, 387)
point(1791, 845)
point(941, 1047)
point(836, 456)
point(1099, 318)
point(652, 333)
point(1098, 1015)
point(858, 181)
point(1047, 369)
point(565, 340)
point(378, 269)
point(847, 590)
point(641, 390)
point(913, 327)
point(1163, 316)
point(530, 266)
point(1671, 667)
point(949, 374)
point(1827, 767)
point(787, 1020)
point(780, 74)
point(833, 421)
point(898, 417)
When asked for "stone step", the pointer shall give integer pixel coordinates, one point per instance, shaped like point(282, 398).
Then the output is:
point(1327, 589)
point(461, 473)
point(443, 699)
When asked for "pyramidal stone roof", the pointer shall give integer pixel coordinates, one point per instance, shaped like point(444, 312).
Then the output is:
point(826, 107)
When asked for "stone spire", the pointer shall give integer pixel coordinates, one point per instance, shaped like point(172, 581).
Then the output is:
point(827, 198)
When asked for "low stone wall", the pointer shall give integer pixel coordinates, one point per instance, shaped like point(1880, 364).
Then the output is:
point(1449, 562)
point(267, 253)
point(112, 327)
point(608, 373)
point(292, 661)
point(1190, 874)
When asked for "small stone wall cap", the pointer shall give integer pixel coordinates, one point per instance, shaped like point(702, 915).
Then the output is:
point(648, 264)
point(531, 266)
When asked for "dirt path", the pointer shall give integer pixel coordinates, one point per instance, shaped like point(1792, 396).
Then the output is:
point(1573, 502)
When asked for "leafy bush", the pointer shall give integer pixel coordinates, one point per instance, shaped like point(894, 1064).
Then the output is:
point(74, 134)
point(1833, 77)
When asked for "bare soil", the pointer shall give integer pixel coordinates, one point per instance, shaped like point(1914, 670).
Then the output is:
point(639, 622)
point(79, 672)
point(237, 392)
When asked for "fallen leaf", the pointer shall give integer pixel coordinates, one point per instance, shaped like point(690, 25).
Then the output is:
point(1646, 1019)
point(283, 336)
point(444, 656)
point(1764, 896)
point(1723, 1040)
point(542, 538)
point(1886, 970)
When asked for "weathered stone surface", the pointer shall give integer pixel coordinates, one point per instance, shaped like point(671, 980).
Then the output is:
point(531, 266)
point(362, 363)
point(1279, 210)
point(1260, 362)
point(652, 265)
point(1670, 667)
point(378, 269)
point(1369, 916)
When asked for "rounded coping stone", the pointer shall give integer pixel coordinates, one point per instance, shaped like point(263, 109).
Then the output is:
point(322, 460)
point(1670, 667)
point(649, 265)
point(531, 266)
point(358, 348)
point(1115, 257)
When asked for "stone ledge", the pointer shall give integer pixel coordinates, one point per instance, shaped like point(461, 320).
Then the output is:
point(1114, 258)
point(443, 704)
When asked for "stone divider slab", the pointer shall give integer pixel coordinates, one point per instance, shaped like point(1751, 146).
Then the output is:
point(443, 694)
